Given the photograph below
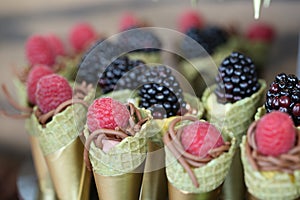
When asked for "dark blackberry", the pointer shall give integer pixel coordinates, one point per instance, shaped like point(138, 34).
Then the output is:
point(95, 61)
point(110, 77)
point(209, 38)
point(237, 79)
point(139, 40)
point(284, 95)
point(161, 93)
point(134, 78)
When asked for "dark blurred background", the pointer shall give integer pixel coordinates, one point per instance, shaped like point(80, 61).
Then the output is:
point(20, 19)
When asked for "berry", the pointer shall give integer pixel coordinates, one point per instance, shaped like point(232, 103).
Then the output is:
point(161, 93)
point(112, 74)
point(52, 90)
point(56, 44)
point(260, 32)
point(139, 40)
point(128, 21)
point(107, 113)
point(209, 38)
point(199, 138)
point(237, 79)
point(190, 19)
point(275, 134)
point(81, 36)
point(284, 95)
point(35, 74)
point(39, 51)
point(95, 61)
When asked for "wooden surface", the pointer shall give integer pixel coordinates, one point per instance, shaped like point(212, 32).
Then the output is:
point(19, 19)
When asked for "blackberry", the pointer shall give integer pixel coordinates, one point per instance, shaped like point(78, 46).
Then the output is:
point(237, 79)
point(95, 61)
point(134, 78)
point(139, 40)
point(209, 38)
point(284, 95)
point(110, 77)
point(161, 93)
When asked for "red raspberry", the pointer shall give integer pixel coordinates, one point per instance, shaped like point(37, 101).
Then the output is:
point(260, 32)
point(35, 74)
point(39, 51)
point(128, 21)
point(81, 36)
point(56, 44)
point(190, 19)
point(275, 134)
point(52, 90)
point(107, 113)
point(199, 138)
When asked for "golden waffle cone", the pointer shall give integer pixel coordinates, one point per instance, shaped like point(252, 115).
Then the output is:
point(46, 189)
point(63, 150)
point(236, 118)
point(270, 185)
point(119, 172)
point(147, 57)
point(210, 176)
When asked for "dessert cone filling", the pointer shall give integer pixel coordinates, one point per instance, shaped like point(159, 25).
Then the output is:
point(287, 162)
point(187, 160)
point(80, 92)
point(135, 123)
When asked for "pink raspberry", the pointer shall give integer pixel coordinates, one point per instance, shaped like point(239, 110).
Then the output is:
point(275, 134)
point(81, 36)
point(107, 113)
point(56, 44)
point(52, 90)
point(260, 32)
point(128, 21)
point(199, 138)
point(39, 51)
point(190, 19)
point(35, 74)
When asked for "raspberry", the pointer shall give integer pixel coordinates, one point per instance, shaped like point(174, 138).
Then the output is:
point(107, 113)
point(81, 36)
point(260, 32)
point(190, 19)
point(56, 44)
point(199, 138)
point(128, 21)
point(275, 134)
point(39, 51)
point(35, 74)
point(52, 90)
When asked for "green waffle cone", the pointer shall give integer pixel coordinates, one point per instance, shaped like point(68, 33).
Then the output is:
point(69, 67)
point(235, 117)
point(64, 127)
point(210, 176)
point(270, 185)
point(21, 92)
point(260, 112)
point(123, 158)
point(147, 57)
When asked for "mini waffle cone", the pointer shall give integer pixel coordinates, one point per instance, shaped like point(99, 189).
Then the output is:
point(64, 127)
point(209, 176)
point(147, 57)
point(69, 66)
point(260, 112)
point(123, 158)
point(235, 117)
point(124, 96)
point(270, 186)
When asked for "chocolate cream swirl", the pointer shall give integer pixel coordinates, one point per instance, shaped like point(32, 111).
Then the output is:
point(134, 125)
point(286, 162)
point(188, 161)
